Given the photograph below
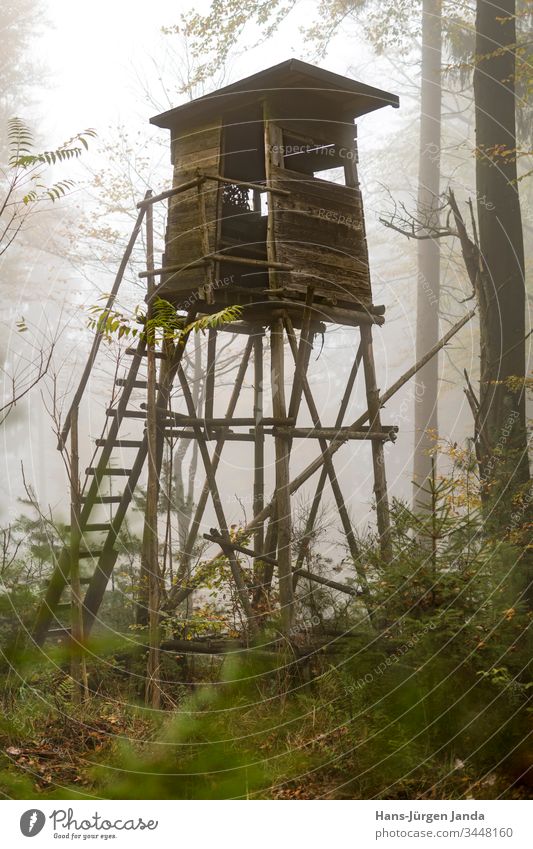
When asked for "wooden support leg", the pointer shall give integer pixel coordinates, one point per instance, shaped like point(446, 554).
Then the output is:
point(315, 504)
point(169, 367)
point(301, 365)
point(330, 470)
point(210, 375)
point(283, 498)
point(378, 454)
point(78, 669)
point(204, 495)
point(150, 550)
point(266, 574)
point(217, 503)
point(259, 445)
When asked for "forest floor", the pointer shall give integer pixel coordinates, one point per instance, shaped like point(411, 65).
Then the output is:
point(303, 748)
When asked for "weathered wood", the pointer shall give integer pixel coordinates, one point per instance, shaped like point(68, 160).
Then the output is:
point(150, 554)
point(195, 155)
point(335, 315)
point(319, 229)
point(174, 594)
point(254, 263)
point(121, 443)
point(347, 433)
point(229, 435)
point(137, 384)
point(217, 504)
point(234, 421)
point(78, 668)
point(330, 469)
point(283, 500)
point(378, 455)
point(102, 499)
point(134, 352)
point(257, 187)
point(169, 193)
point(210, 373)
point(227, 544)
point(204, 238)
point(93, 470)
point(100, 333)
point(174, 269)
point(327, 582)
point(259, 439)
point(301, 363)
point(315, 504)
point(61, 570)
point(335, 445)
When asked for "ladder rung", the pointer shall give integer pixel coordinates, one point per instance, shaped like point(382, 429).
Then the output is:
point(137, 384)
point(134, 351)
point(103, 499)
point(59, 632)
point(121, 443)
point(127, 414)
point(85, 580)
point(92, 470)
point(94, 554)
point(63, 605)
point(96, 526)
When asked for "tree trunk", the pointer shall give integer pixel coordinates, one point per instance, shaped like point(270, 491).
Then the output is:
point(428, 278)
point(150, 553)
point(501, 294)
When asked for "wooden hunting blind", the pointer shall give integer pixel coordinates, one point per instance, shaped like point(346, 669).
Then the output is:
point(274, 200)
point(265, 212)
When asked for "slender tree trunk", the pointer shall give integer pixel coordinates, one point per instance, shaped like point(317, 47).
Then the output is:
point(150, 537)
point(501, 295)
point(185, 494)
point(428, 278)
point(78, 668)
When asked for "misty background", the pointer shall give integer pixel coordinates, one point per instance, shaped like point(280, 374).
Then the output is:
point(111, 67)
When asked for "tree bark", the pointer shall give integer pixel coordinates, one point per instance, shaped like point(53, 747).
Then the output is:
point(428, 276)
point(501, 293)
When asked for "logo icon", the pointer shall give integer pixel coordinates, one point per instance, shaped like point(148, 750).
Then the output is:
point(32, 822)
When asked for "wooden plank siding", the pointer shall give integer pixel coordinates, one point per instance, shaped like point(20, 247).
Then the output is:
point(319, 230)
point(198, 149)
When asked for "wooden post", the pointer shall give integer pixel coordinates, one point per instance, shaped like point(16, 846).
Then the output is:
point(330, 471)
point(217, 504)
point(259, 443)
point(378, 454)
point(282, 525)
point(210, 375)
point(204, 495)
point(333, 447)
point(78, 669)
point(283, 498)
point(315, 504)
point(204, 236)
point(100, 333)
point(150, 538)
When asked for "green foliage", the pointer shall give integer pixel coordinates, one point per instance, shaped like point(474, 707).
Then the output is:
point(22, 144)
point(22, 182)
point(164, 324)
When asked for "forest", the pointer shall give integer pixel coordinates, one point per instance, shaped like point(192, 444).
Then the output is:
point(267, 514)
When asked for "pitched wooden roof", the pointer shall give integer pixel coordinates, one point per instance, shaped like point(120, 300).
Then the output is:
point(352, 97)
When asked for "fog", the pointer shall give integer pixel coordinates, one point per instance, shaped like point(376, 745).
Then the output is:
point(108, 65)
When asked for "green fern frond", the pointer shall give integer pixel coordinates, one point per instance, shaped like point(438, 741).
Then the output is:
point(164, 322)
point(21, 147)
point(225, 316)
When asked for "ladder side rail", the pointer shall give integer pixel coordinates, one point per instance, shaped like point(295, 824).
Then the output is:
point(99, 333)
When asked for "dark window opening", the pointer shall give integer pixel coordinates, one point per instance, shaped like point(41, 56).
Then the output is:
point(243, 223)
